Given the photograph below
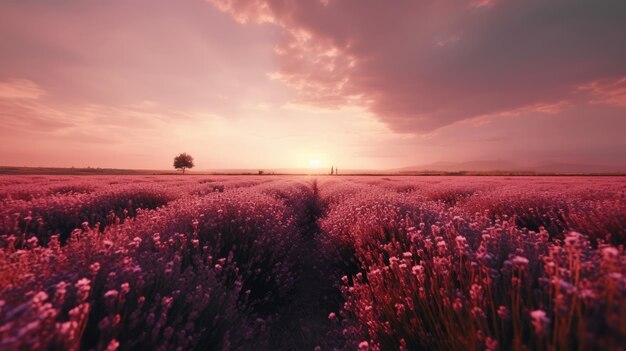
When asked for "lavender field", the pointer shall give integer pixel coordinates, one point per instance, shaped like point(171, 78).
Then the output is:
point(312, 263)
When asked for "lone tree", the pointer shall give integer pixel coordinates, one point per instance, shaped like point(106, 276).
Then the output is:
point(183, 161)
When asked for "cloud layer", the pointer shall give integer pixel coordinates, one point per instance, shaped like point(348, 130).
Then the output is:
point(422, 65)
point(274, 83)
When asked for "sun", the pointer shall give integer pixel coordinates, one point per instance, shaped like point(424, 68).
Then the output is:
point(315, 163)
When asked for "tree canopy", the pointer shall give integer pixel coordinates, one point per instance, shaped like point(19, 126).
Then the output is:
point(183, 161)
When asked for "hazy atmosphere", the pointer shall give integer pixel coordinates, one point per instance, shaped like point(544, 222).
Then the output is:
point(276, 84)
point(313, 175)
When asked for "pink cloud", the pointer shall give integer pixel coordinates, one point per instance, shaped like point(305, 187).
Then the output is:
point(24, 109)
point(122, 52)
point(478, 4)
point(123, 83)
point(606, 91)
point(422, 65)
point(20, 89)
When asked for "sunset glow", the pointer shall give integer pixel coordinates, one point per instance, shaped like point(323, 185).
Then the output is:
point(315, 164)
point(261, 84)
point(317, 175)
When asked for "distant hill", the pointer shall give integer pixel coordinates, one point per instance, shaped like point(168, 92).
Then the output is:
point(473, 166)
point(573, 168)
point(232, 171)
point(80, 171)
point(498, 166)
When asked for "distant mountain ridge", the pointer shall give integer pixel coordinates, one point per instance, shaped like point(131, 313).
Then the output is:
point(494, 167)
point(508, 166)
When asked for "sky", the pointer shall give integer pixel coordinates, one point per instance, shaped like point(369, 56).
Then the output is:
point(363, 84)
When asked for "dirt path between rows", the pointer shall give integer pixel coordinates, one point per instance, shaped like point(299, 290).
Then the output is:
point(304, 323)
